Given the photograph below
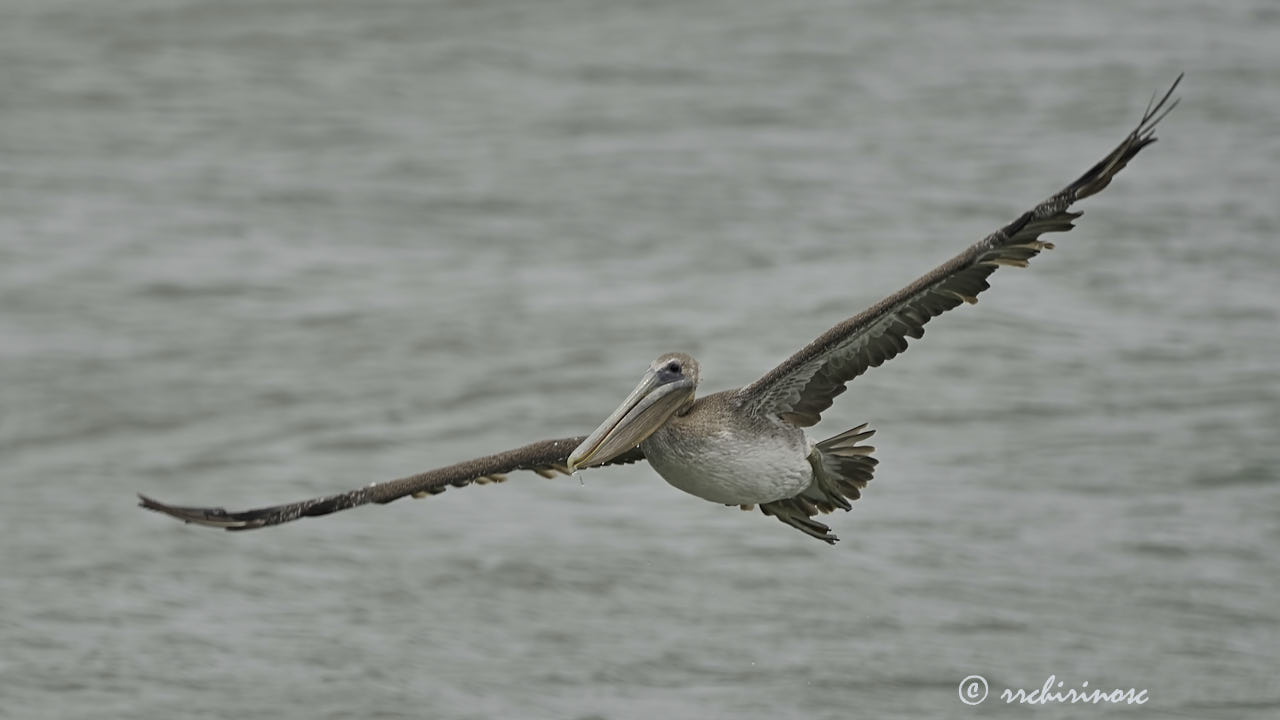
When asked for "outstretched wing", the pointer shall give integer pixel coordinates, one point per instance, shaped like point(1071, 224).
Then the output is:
point(798, 390)
point(547, 458)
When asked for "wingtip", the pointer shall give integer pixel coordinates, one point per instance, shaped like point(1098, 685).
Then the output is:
point(1156, 110)
point(209, 517)
point(156, 506)
point(149, 503)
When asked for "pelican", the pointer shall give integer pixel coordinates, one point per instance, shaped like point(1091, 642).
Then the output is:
point(747, 447)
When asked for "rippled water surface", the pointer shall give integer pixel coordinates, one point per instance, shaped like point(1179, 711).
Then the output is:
point(254, 252)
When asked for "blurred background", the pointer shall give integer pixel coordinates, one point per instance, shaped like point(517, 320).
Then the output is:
point(253, 252)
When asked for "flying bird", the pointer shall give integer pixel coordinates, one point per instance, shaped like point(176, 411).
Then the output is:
point(748, 447)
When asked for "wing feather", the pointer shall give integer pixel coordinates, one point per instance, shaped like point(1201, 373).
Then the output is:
point(803, 386)
point(547, 458)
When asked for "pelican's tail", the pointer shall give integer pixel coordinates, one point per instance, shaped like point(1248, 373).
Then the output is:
point(841, 468)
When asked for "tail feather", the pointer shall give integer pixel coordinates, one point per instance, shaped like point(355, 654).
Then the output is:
point(842, 467)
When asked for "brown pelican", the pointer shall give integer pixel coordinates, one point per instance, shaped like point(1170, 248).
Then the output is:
point(747, 446)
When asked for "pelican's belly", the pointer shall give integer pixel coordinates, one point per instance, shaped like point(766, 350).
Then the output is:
point(731, 466)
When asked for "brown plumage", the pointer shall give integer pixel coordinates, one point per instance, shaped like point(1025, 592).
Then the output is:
point(746, 447)
point(546, 458)
point(806, 383)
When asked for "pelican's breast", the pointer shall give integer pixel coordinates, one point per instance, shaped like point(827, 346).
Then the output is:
point(720, 454)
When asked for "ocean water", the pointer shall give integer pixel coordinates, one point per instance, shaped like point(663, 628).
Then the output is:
point(256, 252)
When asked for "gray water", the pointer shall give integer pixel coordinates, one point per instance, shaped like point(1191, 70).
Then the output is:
point(256, 252)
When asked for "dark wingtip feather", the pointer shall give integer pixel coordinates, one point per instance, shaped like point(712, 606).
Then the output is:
point(211, 517)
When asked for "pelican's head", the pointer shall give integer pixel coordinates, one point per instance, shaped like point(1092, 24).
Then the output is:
point(666, 389)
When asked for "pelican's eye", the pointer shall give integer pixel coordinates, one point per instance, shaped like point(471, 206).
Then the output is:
point(673, 367)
